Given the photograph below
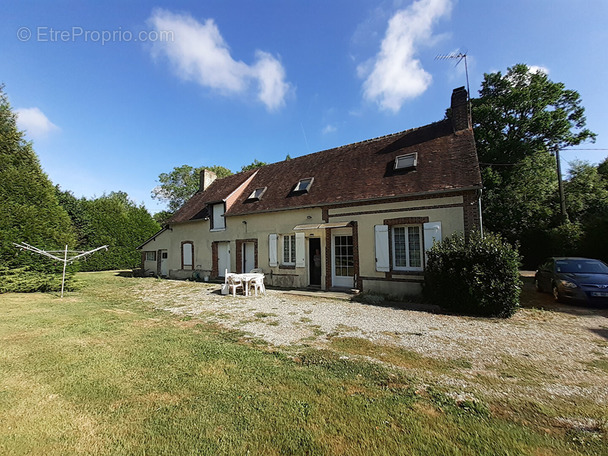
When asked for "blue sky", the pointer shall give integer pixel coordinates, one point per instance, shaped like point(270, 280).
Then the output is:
point(114, 93)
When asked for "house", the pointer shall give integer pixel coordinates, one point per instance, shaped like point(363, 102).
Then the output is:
point(357, 216)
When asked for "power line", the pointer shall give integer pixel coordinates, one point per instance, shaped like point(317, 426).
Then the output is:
point(583, 149)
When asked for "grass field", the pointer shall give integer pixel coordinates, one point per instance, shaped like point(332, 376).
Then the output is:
point(98, 372)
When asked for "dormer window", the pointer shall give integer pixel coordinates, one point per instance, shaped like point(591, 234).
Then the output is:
point(304, 185)
point(406, 161)
point(256, 195)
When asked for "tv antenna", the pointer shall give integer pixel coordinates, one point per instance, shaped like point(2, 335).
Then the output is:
point(69, 256)
point(460, 56)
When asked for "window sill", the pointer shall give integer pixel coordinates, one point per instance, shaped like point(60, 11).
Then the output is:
point(287, 266)
point(407, 272)
point(217, 229)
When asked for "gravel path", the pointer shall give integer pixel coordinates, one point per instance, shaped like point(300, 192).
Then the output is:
point(562, 342)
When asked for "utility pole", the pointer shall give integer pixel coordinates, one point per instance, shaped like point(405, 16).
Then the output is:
point(562, 197)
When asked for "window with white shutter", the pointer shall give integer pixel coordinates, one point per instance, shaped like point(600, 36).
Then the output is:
point(382, 255)
point(272, 250)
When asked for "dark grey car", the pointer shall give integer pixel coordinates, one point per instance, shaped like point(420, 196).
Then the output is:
point(581, 280)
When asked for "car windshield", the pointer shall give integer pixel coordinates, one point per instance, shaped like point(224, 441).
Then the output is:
point(581, 267)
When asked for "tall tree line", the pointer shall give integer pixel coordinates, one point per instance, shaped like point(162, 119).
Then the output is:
point(38, 213)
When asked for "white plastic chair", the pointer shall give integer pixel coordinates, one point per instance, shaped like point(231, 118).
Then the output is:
point(257, 271)
point(258, 284)
point(234, 282)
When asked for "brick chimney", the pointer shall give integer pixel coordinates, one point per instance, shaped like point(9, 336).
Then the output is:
point(460, 110)
point(207, 178)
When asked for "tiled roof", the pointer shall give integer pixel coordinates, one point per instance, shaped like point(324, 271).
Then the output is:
point(355, 172)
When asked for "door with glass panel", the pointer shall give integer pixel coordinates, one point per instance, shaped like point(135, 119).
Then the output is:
point(343, 262)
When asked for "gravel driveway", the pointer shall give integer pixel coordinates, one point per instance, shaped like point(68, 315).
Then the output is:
point(563, 341)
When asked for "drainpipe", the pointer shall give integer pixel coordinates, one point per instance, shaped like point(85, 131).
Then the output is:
point(480, 217)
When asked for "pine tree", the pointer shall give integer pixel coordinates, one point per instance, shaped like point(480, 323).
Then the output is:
point(30, 210)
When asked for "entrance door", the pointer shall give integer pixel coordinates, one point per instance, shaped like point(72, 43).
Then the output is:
point(248, 256)
point(314, 261)
point(223, 258)
point(164, 265)
point(342, 259)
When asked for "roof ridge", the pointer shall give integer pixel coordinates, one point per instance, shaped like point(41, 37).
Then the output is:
point(365, 141)
point(398, 133)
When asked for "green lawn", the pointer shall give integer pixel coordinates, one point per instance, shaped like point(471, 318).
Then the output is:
point(100, 373)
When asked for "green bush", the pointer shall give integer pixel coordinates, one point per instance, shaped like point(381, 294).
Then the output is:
point(475, 277)
point(26, 280)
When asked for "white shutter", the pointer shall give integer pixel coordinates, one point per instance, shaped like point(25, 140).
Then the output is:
point(432, 233)
point(272, 250)
point(382, 257)
point(218, 217)
point(300, 251)
point(187, 255)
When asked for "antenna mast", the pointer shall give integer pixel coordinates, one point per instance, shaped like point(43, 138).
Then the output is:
point(460, 56)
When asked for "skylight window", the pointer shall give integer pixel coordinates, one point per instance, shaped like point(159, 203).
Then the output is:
point(304, 185)
point(256, 195)
point(406, 161)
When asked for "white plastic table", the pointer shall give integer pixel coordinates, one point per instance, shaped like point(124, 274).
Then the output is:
point(247, 278)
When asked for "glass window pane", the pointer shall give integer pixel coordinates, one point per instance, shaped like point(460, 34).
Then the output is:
point(285, 249)
point(400, 247)
point(414, 246)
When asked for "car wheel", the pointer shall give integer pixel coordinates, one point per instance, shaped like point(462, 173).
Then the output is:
point(556, 295)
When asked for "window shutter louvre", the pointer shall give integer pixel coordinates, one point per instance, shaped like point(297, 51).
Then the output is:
point(272, 250)
point(300, 250)
point(382, 257)
point(432, 233)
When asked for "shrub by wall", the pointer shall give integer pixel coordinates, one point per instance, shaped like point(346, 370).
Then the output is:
point(475, 277)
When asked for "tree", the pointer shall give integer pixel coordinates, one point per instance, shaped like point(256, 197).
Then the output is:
point(523, 200)
point(116, 221)
point(162, 217)
point(519, 119)
point(30, 210)
point(522, 112)
point(76, 209)
point(180, 184)
point(586, 193)
point(255, 164)
point(602, 170)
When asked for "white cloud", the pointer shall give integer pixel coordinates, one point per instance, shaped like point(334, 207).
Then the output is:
point(199, 53)
point(329, 129)
point(538, 69)
point(34, 122)
point(270, 75)
point(395, 75)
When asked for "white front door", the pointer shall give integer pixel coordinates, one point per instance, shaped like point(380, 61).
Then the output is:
point(223, 258)
point(342, 260)
point(164, 265)
point(248, 256)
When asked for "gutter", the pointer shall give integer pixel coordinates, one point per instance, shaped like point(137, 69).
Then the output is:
point(368, 200)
